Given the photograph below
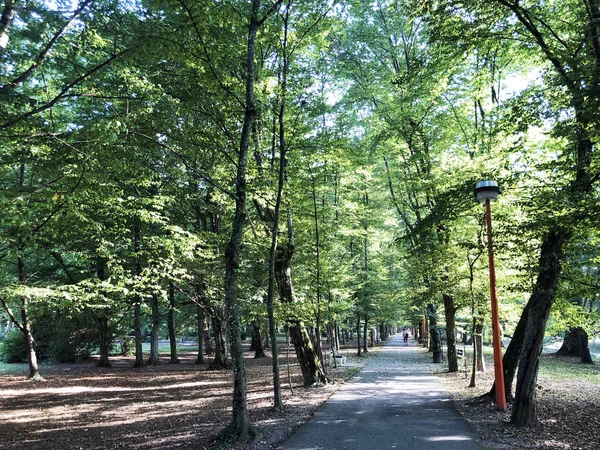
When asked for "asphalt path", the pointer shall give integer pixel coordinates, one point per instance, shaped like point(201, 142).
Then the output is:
point(394, 402)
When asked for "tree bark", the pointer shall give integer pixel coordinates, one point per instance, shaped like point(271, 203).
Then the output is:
point(358, 334)
point(310, 365)
point(171, 324)
point(478, 339)
point(510, 360)
point(102, 321)
point(366, 334)
point(105, 341)
point(436, 341)
point(137, 327)
point(221, 361)
point(137, 319)
point(542, 297)
point(153, 360)
point(257, 344)
point(584, 350)
point(201, 324)
point(575, 344)
point(450, 313)
point(8, 15)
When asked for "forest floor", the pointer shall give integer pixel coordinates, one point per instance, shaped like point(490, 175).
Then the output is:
point(184, 406)
point(170, 406)
point(568, 407)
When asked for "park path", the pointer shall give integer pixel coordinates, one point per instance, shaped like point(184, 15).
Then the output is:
point(394, 402)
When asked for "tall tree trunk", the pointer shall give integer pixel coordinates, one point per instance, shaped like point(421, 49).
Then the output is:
point(366, 334)
point(34, 373)
point(221, 361)
point(450, 313)
point(137, 330)
point(318, 272)
point(310, 365)
point(478, 339)
point(510, 360)
point(240, 424)
point(584, 350)
point(257, 345)
point(171, 324)
point(105, 341)
point(542, 297)
point(570, 345)
point(25, 325)
point(436, 340)
point(137, 318)
point(153, 360)
point(358, 334)
point(102, 321)
point(201, 325)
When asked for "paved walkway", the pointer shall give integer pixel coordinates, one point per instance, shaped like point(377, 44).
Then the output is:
point(392, 403)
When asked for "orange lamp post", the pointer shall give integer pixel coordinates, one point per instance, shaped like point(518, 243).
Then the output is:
point(486, 192)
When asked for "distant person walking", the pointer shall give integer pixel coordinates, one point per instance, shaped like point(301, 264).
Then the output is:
point(405, 336)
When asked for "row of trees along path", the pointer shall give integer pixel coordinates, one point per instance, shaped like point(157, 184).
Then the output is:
point(297, 166)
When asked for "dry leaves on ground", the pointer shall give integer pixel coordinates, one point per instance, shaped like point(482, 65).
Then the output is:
point(568, 413)
point(170, 406)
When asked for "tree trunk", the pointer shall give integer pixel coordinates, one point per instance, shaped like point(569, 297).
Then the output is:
point(510, 360)
point(310, 365)
point(200, 320)
point(478, 338)
point(34, 373)
point(102, 322)
point(436, 340)
point(366, 334)
point(153, 360)
point(171, 325)
point(105, 341)
point(450, 313)
point(575, 344)
point(137, 325)
point(257, 344)
point(358, 334)
point(221, 361)
point(542, 297)
point(137, 319)
point(584, 350)
point(8, 15)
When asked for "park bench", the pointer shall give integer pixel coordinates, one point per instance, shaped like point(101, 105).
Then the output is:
point(340, 360)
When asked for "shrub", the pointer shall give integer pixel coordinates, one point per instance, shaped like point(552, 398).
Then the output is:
point(12, 348)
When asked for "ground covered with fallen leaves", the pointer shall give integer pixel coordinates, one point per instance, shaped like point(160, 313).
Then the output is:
point(170, 406)
point(568, 406)
point(184, 406)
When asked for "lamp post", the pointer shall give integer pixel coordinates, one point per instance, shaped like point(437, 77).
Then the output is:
point(486, 192)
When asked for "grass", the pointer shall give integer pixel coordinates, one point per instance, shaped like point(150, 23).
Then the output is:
point(554, 368)
point(558, 369)
point(12, 369)
point(166, 348)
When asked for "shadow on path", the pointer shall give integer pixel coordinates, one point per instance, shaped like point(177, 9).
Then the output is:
point(392, 403)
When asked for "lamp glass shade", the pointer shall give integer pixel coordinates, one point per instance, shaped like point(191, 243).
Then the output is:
point(487, 189)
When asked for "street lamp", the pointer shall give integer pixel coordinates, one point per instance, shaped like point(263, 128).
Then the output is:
point(486, 192)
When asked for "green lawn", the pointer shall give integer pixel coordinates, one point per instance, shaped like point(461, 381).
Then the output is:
point(12, 369)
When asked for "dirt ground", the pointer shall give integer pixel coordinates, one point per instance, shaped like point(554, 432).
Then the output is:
point(170, 406)
point(183, 406)
point(568, 412)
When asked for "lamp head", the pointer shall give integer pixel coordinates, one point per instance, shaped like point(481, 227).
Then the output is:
point(487, 189)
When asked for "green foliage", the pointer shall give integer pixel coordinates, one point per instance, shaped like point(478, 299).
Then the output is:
point(12, 348)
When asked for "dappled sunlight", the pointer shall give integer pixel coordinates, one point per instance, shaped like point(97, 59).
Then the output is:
point(91, 389)
point(457, 437)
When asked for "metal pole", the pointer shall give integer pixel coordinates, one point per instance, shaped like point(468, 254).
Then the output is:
point(497, 344)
